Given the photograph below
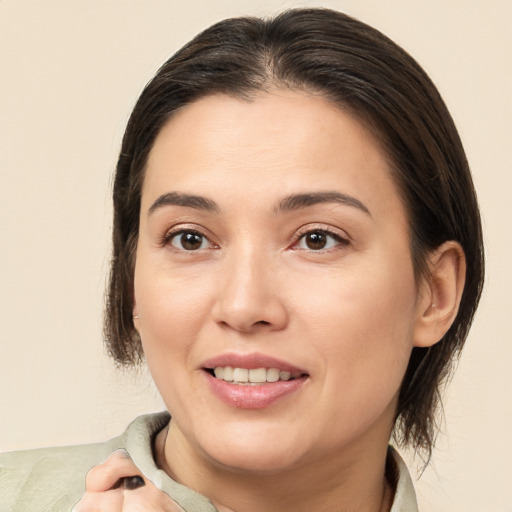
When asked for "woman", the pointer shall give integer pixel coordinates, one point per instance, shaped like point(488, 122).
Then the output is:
point(298, 257)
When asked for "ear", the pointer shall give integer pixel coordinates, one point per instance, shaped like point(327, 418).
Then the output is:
point(441, 293)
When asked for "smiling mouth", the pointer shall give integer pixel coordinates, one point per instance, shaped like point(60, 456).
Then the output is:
point(253, 376)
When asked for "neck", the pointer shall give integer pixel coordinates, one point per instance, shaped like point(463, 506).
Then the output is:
point(354, 480)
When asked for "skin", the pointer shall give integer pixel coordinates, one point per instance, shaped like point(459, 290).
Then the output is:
point(108, 489)
point(349, 314)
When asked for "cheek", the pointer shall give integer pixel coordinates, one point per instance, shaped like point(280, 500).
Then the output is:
point(167, 332)
point(363, 335)
point(171, 313)
point(170, 303)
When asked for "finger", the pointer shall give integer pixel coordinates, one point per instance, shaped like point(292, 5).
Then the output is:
point(130, 483)
point(130, 496)
point(106, 475)
point(146, 499)
point(108, 501)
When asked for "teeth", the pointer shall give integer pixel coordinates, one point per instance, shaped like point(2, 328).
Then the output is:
point(228, 374)
point(258, 375)
point(240, 374)
point(272, 375)
point(252, 376)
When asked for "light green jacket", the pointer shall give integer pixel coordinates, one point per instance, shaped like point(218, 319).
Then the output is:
point(53, 479)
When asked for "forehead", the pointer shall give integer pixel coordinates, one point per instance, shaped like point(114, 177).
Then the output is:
point(278, 142)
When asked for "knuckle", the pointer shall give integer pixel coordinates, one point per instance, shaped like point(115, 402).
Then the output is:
point(117, 466)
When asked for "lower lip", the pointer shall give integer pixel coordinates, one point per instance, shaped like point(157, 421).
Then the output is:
point(250, 396)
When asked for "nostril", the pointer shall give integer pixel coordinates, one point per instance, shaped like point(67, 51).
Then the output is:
point(263, 322)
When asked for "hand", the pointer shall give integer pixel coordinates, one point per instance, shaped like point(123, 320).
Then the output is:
point(118, 485)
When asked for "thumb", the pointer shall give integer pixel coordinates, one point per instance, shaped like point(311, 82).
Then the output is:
point(117, 470)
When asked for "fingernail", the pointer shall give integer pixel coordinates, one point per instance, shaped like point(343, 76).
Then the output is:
point(133, 482)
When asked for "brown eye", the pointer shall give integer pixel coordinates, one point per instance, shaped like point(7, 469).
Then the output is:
point(315, 240)
point(189, 241)
point(319, 240)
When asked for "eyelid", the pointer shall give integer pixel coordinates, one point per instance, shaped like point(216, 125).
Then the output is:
point(340, 236)
point(178, 229)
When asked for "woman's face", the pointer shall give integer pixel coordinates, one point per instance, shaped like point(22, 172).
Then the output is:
point(273, 239)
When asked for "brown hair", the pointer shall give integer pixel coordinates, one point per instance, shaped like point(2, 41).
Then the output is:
point(358, 69)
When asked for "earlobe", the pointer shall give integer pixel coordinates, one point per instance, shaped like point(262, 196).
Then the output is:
point(135, 315)
point(442, 292)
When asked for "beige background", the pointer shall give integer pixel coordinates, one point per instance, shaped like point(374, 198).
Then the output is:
point(70, 73)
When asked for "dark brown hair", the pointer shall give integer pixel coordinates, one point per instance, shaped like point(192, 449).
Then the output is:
point(362, 71)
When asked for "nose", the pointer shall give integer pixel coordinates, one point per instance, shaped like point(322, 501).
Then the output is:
point(250, 297)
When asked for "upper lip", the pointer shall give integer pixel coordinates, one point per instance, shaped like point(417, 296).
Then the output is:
point(251, 361)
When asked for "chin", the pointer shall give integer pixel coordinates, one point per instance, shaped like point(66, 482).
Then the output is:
point(259, 454)
point(254, 463)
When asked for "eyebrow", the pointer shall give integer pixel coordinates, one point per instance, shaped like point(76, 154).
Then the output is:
point(289, 203)
point(188, 200)
point(298, 201)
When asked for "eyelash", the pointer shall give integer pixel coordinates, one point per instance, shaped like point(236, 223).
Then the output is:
point(170, 236)
point(175, 234)
point(337, 237)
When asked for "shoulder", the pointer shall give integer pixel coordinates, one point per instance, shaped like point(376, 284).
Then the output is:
point(398, 475)
point(54, 478)
point(47, 479)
